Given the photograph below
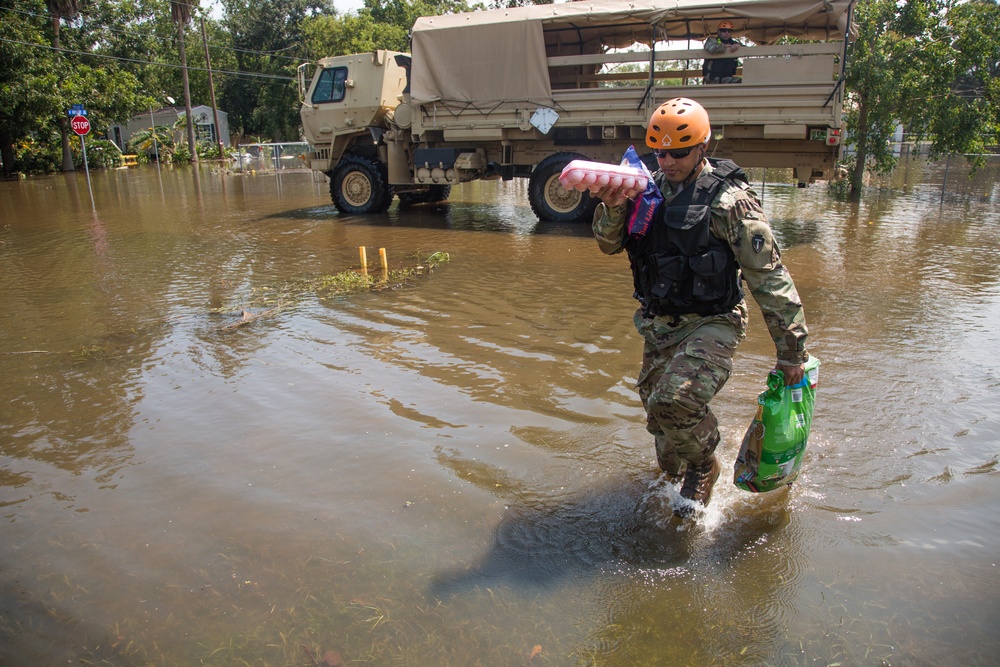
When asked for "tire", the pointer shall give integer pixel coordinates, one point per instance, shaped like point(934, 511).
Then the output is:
point(432, 194)
point(359, 185)
point(550, 200)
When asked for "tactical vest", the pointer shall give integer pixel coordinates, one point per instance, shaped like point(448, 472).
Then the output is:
point(679, 267)
point(721, 67)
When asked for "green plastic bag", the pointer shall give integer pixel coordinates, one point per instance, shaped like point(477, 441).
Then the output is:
point(775, 442)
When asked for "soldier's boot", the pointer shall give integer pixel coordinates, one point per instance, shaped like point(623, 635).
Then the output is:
point(699, 479)
point(670, 463)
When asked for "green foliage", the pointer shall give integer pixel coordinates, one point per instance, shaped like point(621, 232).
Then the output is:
point(181, 154)
point(931, 65)
point(380, 24)
point(964, 115)
point(439, 257)
point(34, 156)
point(102, 153)
point(267, 38)
point(878, 74)
point(335, 35)
point(28, 85)
point(121, 57)
point(110, 95)
point(152, 140)
point(208, 150)
point(38, 84)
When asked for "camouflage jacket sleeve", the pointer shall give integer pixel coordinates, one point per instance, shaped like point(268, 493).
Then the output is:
point(609, 228)
point(738, 218)
point(714, 46)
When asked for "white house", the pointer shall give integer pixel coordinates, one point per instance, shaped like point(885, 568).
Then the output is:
point(204, 125)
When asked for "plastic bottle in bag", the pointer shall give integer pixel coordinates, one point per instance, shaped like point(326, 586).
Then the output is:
point(775, 442)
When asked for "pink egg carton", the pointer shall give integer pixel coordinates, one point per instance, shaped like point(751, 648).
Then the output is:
point(585, 175)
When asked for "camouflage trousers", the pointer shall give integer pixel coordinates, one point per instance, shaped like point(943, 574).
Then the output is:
point(685, 363)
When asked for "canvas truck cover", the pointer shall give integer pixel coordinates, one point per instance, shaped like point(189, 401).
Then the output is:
point(498, 57)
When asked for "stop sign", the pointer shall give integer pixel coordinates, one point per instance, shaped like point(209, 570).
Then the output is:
point(80, 125)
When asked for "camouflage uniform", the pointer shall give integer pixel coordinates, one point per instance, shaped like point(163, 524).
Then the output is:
point(716, 46)
point(687, 359)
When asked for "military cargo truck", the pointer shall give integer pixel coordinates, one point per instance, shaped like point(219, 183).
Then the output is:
point(519, 93)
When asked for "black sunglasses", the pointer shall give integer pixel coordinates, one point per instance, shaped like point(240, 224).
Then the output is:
point(725, 30)
point(677, 155)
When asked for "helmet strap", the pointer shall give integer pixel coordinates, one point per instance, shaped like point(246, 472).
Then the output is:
point(695, 169)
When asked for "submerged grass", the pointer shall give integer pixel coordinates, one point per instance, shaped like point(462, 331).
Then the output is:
point(270, 299)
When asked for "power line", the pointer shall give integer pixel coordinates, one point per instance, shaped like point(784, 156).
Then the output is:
point(150, 62)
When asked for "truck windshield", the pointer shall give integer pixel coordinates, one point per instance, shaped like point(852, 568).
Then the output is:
point(330, 87)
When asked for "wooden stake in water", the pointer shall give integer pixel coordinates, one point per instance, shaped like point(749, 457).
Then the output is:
point(364, 260)
point(385, 263)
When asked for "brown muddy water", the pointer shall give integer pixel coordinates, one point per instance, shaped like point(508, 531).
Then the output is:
point(455, 471)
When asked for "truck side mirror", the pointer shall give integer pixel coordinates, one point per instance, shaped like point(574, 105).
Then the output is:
point(300, 72)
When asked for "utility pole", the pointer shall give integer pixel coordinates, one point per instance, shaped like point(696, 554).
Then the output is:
point(211, 88)
point(192, 146)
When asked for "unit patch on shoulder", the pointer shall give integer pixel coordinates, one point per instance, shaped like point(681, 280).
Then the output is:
point(757, 242)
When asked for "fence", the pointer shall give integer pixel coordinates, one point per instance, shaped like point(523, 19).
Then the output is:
point(265, 158)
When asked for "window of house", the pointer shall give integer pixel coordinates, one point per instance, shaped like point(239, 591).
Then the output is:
point(330, 87)
point(205, 132)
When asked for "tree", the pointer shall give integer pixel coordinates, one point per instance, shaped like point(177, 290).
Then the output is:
point(930, 64)
point(180, 10)
point(380, 24)
point(38, 84)
point(63, 9)
point(327, 36)
point(27, 83)
point(143, 35)
point(963, 112)
point(268, 40)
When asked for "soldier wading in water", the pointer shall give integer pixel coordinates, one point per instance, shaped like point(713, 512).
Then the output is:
point(708, 234)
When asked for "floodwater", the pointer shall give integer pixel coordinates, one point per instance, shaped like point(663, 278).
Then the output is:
point(454, 471)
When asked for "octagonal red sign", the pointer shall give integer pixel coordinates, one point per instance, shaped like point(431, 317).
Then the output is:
point(80, 125)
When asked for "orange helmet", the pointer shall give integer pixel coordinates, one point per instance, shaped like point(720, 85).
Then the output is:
point(723, 25)
point(678, 123)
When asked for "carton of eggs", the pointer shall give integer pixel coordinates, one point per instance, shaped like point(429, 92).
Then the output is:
point(585, 175)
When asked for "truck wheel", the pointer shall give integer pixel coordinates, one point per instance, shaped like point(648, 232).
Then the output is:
point(550, 200)
point(434, 193)
point(359, 185)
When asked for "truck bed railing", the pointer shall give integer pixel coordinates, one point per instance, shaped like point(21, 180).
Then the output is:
point(782, 51)
point(786, 84)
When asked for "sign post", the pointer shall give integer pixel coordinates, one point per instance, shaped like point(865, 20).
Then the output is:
point(81, 126)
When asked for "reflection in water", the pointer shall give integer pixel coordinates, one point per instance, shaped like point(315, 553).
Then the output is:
point(541, 544)
point(541, 540)
point(455, 470)
point(619, 536)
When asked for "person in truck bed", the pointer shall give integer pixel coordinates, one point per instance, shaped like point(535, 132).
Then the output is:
point(708, 236)
point(721, 70)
